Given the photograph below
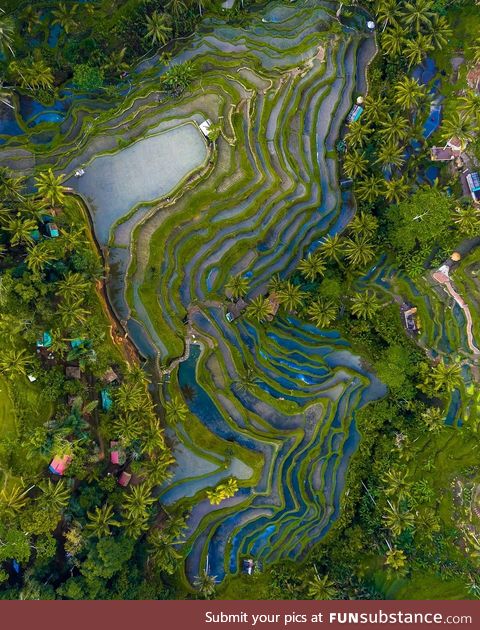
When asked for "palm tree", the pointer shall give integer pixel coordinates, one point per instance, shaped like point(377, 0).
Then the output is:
point(392, 41)
point(434, 419)
point(357, 134)
point(291, 296)
point(11, 186)
point(369, 188)
point(355, 164)
point(365, 305)
point(311, 267)
point(364, 223)
point(65, 17)
point(408, 93)
point(223, 491)
point(72, 313)
point(415, 50)
point(116, 63)
point(178, 77)
point(275, 283)
point(161, 552)
point(395, 128)
point(7, 33)
point(387, 12)
point(14, 362)
point(101, 521)
point(130, 396)
point(159, 29)
point(418, 14)
point(441, 31)
point(398, 519)
point(127, 427)
point(359, 250)
point(49, 187)
point(205, 584)
point(38, 257)
point(73, 286)
point(471, 106)
point(13, 499)
point(247, 380)
point(32, 18)
point(176, 8)
point(331, 247)
point(375, 108)
point(458, 126)
point(467, 219)
point(396, 559)
point(390, 154)
point(32, 77)
point(176, 410)
point(259, 309)
point(21, 231)
point(446, 377)
point(322, 312)
point(32, 208)
point(55, 495)
point(135, 525)
point(321, 588)
point(137, 502)
point(397, 484)
point(237, 286)
point(396, 189)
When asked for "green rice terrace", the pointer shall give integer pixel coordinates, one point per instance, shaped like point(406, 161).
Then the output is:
point(203, 203)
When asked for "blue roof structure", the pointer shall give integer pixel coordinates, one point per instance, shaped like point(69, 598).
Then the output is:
point(355, 113)
point(106, 399)
point(52, 230)
point(45, 341)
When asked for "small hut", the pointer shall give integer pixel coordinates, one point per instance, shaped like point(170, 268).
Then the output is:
point(124, 479)
point(73, 371)
point(59, 464)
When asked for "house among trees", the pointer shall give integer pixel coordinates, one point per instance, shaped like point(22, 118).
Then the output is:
point(444, 154)
point(58, 465)
point(473, 181)
point(52, 230)
point(355, 113)
point(124, 479)
point(110, 376)
point(274, 305)
point(409, 317)
point(45, 341)
point(106, 400)
point(205, 127)
point(73, 371)
point(235, 309)
point(117, 453)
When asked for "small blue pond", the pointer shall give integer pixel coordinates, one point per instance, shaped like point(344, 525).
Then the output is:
point(433, 121)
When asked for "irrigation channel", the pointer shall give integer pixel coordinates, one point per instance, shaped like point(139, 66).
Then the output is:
point(176, 215)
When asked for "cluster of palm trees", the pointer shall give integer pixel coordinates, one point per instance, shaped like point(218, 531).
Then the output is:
point(223, 491)
point(410, 29)
point(463, 123)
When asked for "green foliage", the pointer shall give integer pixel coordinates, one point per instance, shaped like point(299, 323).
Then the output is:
point(87, 78)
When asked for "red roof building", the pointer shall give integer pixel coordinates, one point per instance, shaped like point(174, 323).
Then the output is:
point(124, 479)
point(58, 465)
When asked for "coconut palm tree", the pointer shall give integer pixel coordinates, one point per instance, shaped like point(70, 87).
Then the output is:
point(434, 419)
point(128, 427)
point(395, 128)
point(392, 41)
point(21, 231)
point(7, 33)
point(205, 584)
point(397, 484)
point(441, 31)
point(364, 223)
point(13, 498)
point(34, 76)
point(415, 50)
point(409, 93)
point(457, 125)
point(291, 296)
point(50, 188)
point(237, 286)
point(275, 283)
point(101, 521)
point(365, 305)
point(321, 587)
point(396, 559)
point(471, 106)
point(358, 133)
point(116, 64)
point(445, 377)
point(137, 502)
point(359, 251)
point(390, 154)
point(32, 18)
point(311, 267)
point(247, 380)
point(14, 362)
point(55, 495)
point(387, 12)
point(159, 28)
point(396, 189)
point(176, 8)
point(223, 491)
point(161, 552)
point(11, 186)
point(418, 14)
point(73, 286)
point(322, 312)
point(38, 257)
point(72, 313)
point(467, 219)
point(375, 108)
point(259, 309)
point(135, 525)
point(32, 208)
point(397, 518)
point(130, 396)
point(331, 247)
point(65, 17)
point(176, 410)
point(355, 164)
point(369, 188)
